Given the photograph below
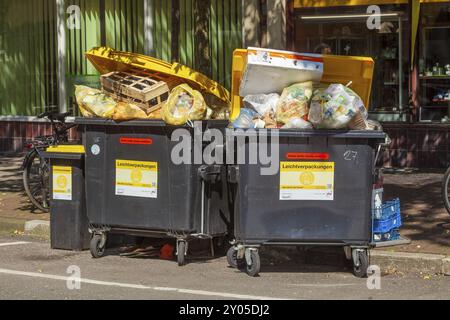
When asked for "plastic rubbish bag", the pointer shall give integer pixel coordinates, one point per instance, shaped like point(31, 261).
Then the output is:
point(335, 108)
point(93, 102)
point(294, 102)
point(80, 93)
point(246, 119)
point(270, 121)
point(217, 114)
point(216, 109)
point(126, 111)
point(262, 103)
point(184, 104)
point(155, 115)
point(374, 125)
point(359, 122)
point(297, 123)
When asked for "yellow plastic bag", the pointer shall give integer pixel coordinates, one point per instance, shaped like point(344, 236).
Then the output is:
point(80, 93)
point(126, 111)
point(184, 104)
point(93, 102)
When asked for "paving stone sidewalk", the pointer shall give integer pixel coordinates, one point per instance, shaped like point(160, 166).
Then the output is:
point(15, 208)
point(425, 220)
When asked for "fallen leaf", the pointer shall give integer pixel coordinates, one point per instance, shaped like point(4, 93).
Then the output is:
point(391, 270)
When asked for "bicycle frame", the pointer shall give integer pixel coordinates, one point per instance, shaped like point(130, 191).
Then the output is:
point(40, 144)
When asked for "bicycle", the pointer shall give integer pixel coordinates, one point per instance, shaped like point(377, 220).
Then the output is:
point(36, 171)
point(445, 190)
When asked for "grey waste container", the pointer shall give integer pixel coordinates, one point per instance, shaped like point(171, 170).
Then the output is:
point(69, 228)
point(134, 188)
point(321, 195)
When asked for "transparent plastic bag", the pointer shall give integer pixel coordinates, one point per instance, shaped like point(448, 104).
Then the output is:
point(93, 102)
point(246, 119)
point(184, 104)
point(294, 102)
point(336, 107)
point(262, 103)
point(297, 123)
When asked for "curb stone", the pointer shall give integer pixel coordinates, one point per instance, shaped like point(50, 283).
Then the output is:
point(410, 262)
point(11, 225)
point(38, 228)
point(446, 267)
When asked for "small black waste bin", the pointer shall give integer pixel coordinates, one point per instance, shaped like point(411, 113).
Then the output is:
point(69, 228)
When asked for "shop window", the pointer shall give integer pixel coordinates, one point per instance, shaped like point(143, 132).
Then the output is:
point(434, 63)
point(344, 31)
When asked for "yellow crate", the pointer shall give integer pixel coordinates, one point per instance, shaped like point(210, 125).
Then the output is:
point(337, 69)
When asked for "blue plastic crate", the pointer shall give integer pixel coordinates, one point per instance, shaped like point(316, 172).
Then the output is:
point(386, 225)
point(388, 236)
point(391, 209)
point(391, 218)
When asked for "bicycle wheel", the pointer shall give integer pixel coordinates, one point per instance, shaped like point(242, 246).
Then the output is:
point(36, 181)
point(445, 190)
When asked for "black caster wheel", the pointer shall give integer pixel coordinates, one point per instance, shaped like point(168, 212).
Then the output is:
point(360, 269)
point(254, 268)
point(232, 259)
point(181, 253)
point(97, 246)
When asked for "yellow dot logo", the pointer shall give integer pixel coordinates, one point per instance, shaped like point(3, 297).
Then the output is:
point(136, 176)
point(307, 178)
point(61, 181)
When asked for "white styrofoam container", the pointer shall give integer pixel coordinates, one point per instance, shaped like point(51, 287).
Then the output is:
point(270, 71)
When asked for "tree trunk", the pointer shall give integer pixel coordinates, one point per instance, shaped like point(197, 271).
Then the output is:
point(202, 14)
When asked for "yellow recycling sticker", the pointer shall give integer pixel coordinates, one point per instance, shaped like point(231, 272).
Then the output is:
point(307, 181)
point(62, 183)
point(137, 179)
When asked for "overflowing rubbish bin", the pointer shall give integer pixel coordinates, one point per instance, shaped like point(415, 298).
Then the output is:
point(321, 194)
point(69, 229)
point(133, 184)
point(134, 187)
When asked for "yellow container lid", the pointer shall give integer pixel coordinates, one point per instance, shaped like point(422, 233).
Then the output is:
point(346, 69)
point(107, 60)
point(337, 69)
point(66, 149)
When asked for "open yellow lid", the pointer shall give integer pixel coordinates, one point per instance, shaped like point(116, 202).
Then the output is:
point(337, 69)
point(107, 60)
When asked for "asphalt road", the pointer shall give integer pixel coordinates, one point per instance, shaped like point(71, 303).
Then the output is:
point(32, 271)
